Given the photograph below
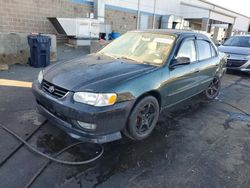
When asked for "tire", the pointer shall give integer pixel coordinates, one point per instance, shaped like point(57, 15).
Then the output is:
point(143, 119)
point(213, 89)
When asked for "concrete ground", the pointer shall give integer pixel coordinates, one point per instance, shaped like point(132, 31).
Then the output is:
point(195, 144)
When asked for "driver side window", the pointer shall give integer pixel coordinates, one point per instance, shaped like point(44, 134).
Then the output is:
point(187, 49)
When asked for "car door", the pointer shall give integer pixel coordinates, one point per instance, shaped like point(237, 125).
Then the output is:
point(208, 62)
point(183, 80)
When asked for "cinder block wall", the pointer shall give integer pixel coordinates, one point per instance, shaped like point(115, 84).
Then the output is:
point(14, 48)
point(27, 16)
point(121, 21)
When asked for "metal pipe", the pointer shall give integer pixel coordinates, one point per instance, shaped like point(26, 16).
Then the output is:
point(138, 15)
point(154, 14)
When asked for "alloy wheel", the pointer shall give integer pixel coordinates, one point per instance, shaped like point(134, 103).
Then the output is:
point(145, 119)
point(213, 89)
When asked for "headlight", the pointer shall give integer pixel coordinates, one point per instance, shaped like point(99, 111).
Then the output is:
point(40, 77)
point(95, 99)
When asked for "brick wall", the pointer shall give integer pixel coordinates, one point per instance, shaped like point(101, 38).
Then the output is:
point(31, 15)
point(121, 21)
point(126, 21)
point(27, 16)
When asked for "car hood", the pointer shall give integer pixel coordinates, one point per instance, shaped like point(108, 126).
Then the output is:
point(93, 73)
point(234, 50)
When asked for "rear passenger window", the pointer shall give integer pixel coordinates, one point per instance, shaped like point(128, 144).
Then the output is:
point(204, 49)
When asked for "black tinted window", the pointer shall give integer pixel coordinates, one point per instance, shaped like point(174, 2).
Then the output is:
point(204, 49)
point(240, 41)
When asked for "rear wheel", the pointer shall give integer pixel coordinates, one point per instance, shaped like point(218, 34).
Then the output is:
point(143, 118)
point(213, 89)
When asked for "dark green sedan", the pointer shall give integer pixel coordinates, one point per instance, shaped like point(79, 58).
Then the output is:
point(122, 89)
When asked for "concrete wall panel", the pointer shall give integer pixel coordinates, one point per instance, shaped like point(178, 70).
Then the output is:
point(241, 23)
point(193, 12)
point(14, 48)
point(221, 17)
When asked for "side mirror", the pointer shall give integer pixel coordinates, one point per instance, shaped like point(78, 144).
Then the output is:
point(180, 61)
point(221, 43)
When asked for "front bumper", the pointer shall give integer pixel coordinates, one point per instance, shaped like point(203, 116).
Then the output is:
point(65, 112)
point(238, 64)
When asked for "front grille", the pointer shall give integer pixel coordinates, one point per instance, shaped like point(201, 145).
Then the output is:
point(235, 62)
point(53, 90)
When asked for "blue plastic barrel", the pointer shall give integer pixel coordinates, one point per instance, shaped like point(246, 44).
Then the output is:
point(115, 35)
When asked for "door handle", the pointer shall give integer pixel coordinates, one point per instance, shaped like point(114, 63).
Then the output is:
point(196, 70)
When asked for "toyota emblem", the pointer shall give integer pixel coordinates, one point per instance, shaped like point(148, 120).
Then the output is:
point(51, 89)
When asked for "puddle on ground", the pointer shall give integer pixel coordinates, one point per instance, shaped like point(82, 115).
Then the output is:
point(234, 116)
point(50, 144)
point(124, 154)
point(239, 117)
point(158, 148)
point(53, 144)
point(33, 117)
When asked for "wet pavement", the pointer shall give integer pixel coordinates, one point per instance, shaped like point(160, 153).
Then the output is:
point(195, 144)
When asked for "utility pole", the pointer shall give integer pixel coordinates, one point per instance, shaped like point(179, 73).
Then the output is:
point(138, 15)
point(154, 14)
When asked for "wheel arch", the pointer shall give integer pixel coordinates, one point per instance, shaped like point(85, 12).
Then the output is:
point(153, 93)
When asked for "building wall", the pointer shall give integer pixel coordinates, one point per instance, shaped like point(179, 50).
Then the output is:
point(14, 48)
point(241, 23)
point(195, 26)
point(218, 13)
point(124, 21)
point(121, 21)
point(157, 22)
point(163, 7)
point(31, 15)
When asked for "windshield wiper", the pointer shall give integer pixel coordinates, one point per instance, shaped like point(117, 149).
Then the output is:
point(151, 63)
point(109, 55)
point(127, 58)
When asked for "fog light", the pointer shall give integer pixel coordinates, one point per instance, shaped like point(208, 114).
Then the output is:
point(87, 125)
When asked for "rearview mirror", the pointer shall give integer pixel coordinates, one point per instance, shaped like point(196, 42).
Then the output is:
point(180, 61)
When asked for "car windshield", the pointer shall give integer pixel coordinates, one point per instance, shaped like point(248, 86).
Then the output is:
point(141, 47)
point(240, 41)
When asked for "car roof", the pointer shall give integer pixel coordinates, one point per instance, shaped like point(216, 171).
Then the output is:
point(176, 32)
point(241, 35)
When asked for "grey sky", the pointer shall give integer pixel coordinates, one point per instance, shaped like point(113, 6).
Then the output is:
point(241, 6)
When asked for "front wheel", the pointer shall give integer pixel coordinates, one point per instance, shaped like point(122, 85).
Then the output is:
point(143, 118)
point(213, 89)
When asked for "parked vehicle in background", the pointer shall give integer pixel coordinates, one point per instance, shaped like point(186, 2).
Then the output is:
point(237, 49)
point(123, 88)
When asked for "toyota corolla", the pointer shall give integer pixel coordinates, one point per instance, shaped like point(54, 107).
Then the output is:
point(122, 89)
